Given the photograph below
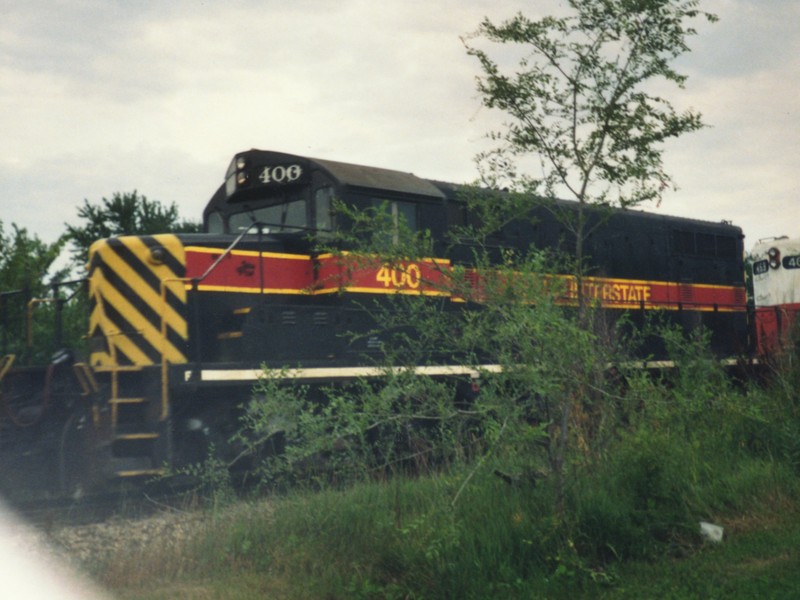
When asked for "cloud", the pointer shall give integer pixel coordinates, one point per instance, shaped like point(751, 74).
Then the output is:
point(750, 37)
point(102, 96)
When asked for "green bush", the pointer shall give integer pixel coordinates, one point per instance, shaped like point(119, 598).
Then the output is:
point(637, 503)
point(544, 483)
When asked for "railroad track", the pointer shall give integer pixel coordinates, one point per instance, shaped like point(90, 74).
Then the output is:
point(131, 503)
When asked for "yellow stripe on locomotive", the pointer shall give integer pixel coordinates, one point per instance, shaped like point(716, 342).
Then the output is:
point(137, 301)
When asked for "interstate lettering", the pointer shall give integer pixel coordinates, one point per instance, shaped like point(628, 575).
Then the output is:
point(611, 291)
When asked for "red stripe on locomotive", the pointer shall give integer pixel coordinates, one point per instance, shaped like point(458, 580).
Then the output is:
point(242, 271)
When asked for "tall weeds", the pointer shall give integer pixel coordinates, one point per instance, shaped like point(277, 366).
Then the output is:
point(681, 447)
point(488, 515)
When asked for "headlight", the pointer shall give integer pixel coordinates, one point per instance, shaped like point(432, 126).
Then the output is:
point(774, 256)
point(157, 255)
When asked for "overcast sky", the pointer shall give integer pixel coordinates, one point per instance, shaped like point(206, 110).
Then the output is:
point(104, 96)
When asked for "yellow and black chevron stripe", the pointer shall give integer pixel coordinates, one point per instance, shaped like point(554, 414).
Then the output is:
point(137, 301)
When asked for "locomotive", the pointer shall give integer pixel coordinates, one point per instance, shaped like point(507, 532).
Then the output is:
point(775, 265)
point(181, 326)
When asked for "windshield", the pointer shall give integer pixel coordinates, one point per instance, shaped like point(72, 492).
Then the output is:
point(288, 217)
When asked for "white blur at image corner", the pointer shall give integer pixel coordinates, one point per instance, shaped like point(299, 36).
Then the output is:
point(29, 570)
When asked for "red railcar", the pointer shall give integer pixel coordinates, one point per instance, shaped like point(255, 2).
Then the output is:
point(776, 293)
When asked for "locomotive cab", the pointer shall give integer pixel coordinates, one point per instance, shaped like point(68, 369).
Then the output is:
point(289, 297)
point(276, 195)
point(291, 196)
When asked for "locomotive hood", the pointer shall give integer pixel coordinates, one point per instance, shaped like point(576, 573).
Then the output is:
point(137, 300)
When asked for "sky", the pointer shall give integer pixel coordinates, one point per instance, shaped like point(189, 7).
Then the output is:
point(105, 96)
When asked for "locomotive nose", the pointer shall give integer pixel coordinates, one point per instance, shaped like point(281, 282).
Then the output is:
point(137, 301)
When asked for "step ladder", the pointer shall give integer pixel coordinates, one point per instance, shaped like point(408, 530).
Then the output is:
point(137, 428)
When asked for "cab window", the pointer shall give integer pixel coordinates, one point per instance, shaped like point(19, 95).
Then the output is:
point(400, 213)
point(323, 217)
point(278, 218)
point(216, 224)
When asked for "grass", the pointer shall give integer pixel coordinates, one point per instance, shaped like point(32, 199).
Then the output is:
point(622, 523)
point(402, 539)
point(756, 560)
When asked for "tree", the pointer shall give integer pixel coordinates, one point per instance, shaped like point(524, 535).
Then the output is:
point(25, 260)
point(535, 416)
point(26, 265)
point(583, 100)
point(124, 214)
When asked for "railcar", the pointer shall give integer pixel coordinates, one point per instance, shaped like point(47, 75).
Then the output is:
point(180, 326)
point(775, 267)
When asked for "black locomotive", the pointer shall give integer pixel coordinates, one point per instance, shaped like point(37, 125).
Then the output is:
point(180, 326)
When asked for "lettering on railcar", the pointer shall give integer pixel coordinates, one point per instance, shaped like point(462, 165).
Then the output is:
point(408, 276)
point(791, 262)
point(612, 291)
point(760, 267)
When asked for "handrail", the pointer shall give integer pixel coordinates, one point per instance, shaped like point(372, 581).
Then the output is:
point(31, 303)
point(5, 364)
point(112, 349)
point(195, 281)
point(228, 250)
point(163, 331)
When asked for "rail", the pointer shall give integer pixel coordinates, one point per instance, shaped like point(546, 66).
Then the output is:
point(5, 364)
point(19, 314)
point(112, 348)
